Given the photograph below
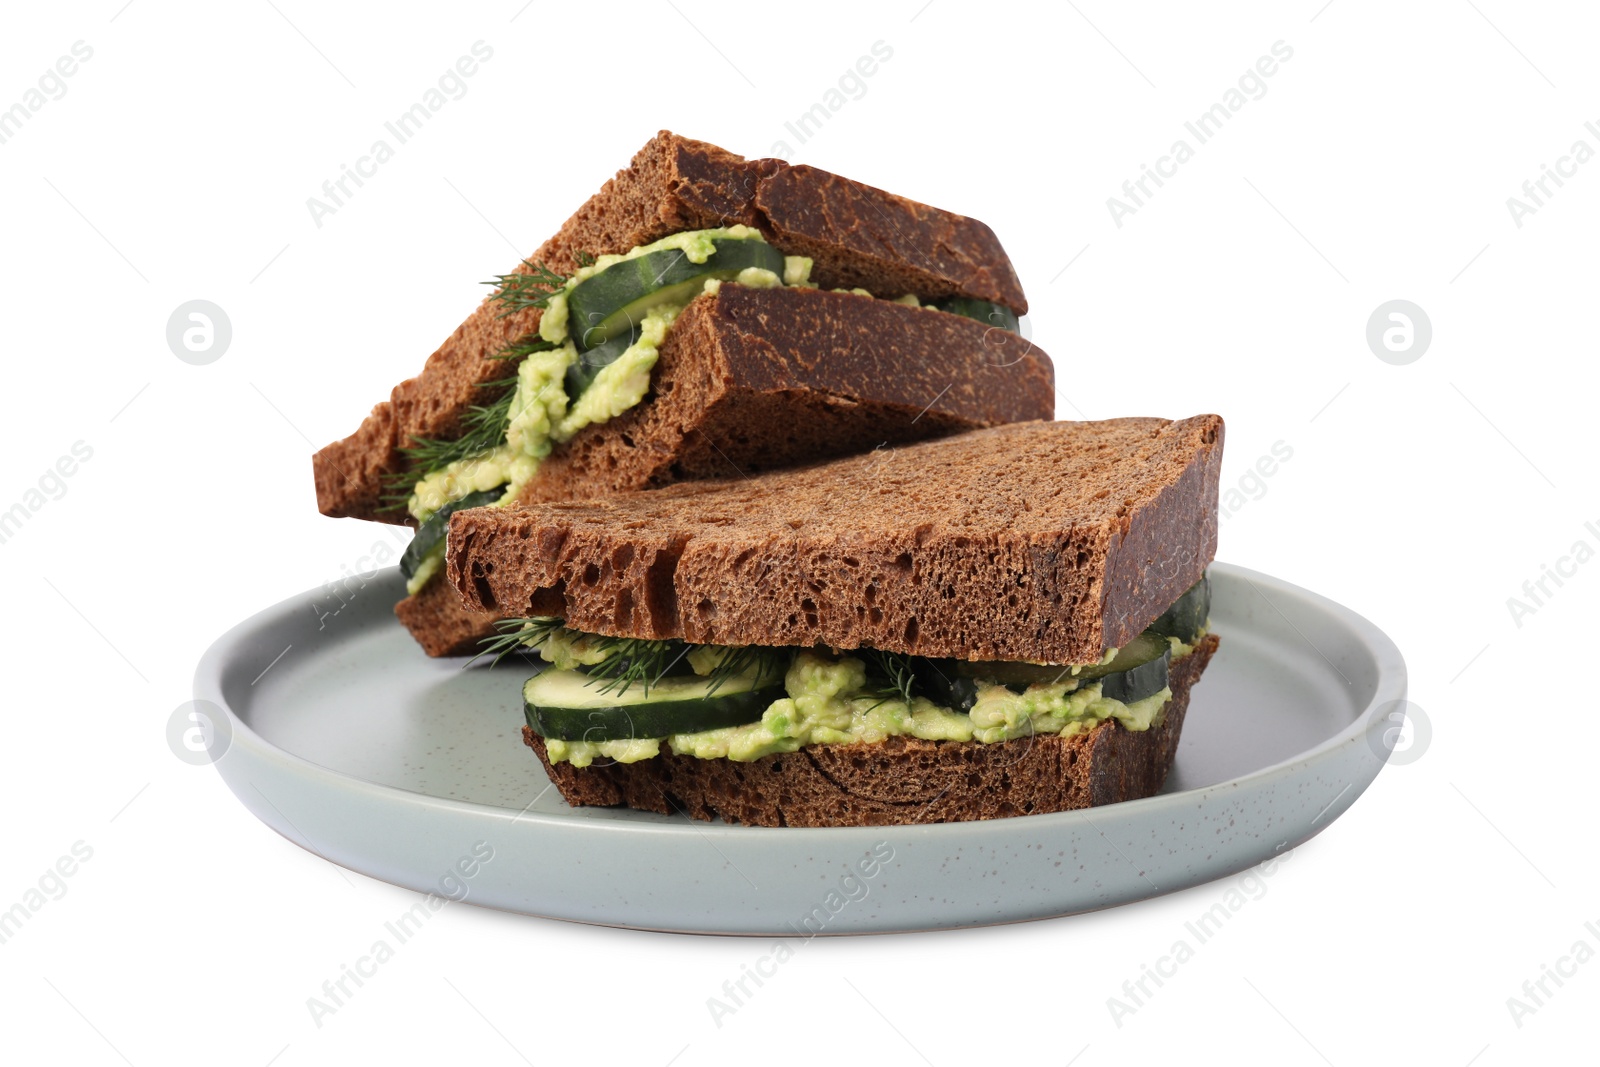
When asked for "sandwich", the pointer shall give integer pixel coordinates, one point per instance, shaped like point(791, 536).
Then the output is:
point(702, 316)
point(996, 623)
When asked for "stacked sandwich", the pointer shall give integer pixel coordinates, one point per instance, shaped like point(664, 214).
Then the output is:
point(702, 316)
point(755, 460)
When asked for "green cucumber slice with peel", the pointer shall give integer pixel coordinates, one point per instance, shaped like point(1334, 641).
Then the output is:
point(982, 310)
point(582, 372)
point(1136, 653)
point(616, 300)
point(941, 681)
point(1138, 671)
point(432, 532)
point(1188, 615)
point(568, 705)
point(1020, 675)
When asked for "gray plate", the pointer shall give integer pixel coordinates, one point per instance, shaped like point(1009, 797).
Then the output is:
point(338, 733)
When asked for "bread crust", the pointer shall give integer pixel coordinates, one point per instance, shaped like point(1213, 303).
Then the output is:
point(859, 236)
point(900, 781)
point(1041, 541)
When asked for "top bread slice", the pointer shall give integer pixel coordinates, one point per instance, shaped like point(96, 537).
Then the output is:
point(755, 379)
point(1046, 541)
point(856, 235)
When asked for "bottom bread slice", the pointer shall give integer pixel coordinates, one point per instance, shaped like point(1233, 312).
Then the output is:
point(441, 623)
point(901, 780)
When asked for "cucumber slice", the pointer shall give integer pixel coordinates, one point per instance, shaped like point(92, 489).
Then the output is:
point(982, 310)
point(582, 372)
point(569, 706)
point(1138, 671)
point(1141, 650)
point(430, 533)
point(616, 300)
point(1018, 674)
point(1188, 615)
point(941, 681)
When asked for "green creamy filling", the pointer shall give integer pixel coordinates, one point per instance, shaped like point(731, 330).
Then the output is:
point(543, 416)
point(425, 570)
point(829, 701)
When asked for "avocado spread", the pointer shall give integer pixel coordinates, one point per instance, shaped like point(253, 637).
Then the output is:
point(543, 416)
point(829, 701)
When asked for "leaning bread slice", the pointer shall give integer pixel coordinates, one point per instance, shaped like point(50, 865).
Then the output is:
point(1000, 622)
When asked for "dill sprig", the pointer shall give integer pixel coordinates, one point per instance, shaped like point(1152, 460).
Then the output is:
point(525, 290)
point(483, 429)
point(629, 661)
point(516, 635)
point(894, 671)
point(765, 662)
point(525, 346)
point(633, 661)
point(626, 660)
point(483, 426)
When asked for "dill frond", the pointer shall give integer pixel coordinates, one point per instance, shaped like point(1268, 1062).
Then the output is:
point(515, 635)
point(525, 346)
point(629, 661)
point(765, 662)
point(483, 429)
point(633, 661)
point(894, 671)
point(530, 289)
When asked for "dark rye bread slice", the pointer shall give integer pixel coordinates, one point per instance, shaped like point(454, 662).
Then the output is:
point(441, 624)
point(754, 379)
point(857, 235)
point(899, 781)
point(1042, 541)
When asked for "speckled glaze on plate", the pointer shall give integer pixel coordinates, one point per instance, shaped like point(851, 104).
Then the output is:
point(343, 737)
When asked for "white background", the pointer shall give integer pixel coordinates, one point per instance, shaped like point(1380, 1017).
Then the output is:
point(1377, 166)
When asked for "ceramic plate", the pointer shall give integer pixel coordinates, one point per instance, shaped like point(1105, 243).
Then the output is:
point(336, 731)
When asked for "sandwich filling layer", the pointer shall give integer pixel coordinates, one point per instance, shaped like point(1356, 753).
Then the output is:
point(623, 699)
point(599, 338)
point(548, 403)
